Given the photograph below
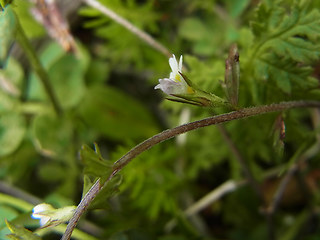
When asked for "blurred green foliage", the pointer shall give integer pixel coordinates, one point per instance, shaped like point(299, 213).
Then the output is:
point(106, 93)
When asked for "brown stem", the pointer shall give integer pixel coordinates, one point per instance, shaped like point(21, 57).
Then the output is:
point(243, 113)
point(82, 207)
point(167, 134)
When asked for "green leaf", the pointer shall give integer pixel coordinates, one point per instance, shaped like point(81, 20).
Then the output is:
point(296, 48)
point(285, 42)
point(294, 34)
point(236, 7)
point(11, 81)
point(8, 27)
point(52, 172)
point(52, 135)
point(20, 233)
point(94, 164)
point(98, 72)
point(89, 12)
point(202, 35)
point(151, 182)
point(99, 168)
point(66, 73)
point(118, 39)
point(31, 27)
point(284, 73)
point(193, 29)
point(11, 78)
point(116, 115)
point(7, 212)
point(12, 131)
point(205, 75)
point(7, 102)
point(109, 190)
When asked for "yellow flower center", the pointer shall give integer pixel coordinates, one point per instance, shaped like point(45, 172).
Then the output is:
point(190, 90)
point(178, 77)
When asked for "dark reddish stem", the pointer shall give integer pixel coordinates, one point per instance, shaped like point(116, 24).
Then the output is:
point(170, 133)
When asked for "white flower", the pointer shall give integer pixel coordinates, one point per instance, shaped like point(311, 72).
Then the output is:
point(175, 84)
point(49, 216)
point(41, 212)
point(175, 68)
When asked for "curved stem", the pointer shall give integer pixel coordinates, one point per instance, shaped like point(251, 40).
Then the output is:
point(37, 67)
point(243, 113)
point(170, 133)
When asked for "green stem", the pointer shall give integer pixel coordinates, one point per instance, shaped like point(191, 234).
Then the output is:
point(80, 235)
point(37, 67)
point(170, 133)
point(15, 202)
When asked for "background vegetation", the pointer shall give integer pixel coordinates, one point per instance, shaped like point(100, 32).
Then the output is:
point(104, 93)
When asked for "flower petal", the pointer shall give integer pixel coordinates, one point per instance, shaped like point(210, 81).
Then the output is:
point(44, 220)
point(173, 64)
point(180, 64)
point(41, 208)
point(170, 86)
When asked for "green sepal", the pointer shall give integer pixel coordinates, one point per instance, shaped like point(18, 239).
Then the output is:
point(200, 98)
point(186, 79)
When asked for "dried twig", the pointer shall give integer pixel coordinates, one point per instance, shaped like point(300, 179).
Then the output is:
point(211, 197)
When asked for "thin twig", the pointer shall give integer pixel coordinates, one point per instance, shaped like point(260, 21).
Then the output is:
point(211, 197)
point(281, 189)
point(129, 26)
point(167, 134)
point(82, 207)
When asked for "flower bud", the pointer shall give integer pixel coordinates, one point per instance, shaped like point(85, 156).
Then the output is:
point(279, 134)
point(49, 216)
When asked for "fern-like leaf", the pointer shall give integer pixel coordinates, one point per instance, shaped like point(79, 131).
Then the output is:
point(285, 42)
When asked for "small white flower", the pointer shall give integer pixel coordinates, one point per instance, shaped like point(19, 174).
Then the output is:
point(42, 212)
point(175, 84)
